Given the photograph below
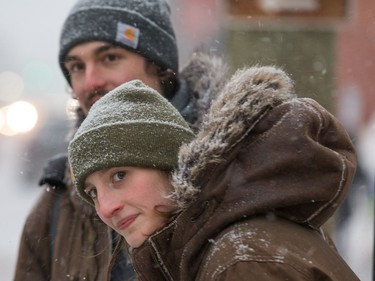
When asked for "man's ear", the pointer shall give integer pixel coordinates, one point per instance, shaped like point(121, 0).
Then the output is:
point(166, 74)
point(168, 81)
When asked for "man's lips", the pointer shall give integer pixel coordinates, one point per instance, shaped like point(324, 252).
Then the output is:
point(126, 222)
point(94, 99)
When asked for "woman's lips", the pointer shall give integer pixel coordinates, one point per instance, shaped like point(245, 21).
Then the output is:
point(126, 222)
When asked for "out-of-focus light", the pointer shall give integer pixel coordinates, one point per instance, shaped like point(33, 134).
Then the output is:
point(20, 117)
point(2, 119)
point(11, 86)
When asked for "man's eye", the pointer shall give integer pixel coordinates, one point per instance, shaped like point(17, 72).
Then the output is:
point(111, 57)
point(74, 68)
point(119, 176)
point(92, 193)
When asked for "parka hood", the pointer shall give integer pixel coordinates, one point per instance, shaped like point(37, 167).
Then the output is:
point(263, 150)
point(260, 152)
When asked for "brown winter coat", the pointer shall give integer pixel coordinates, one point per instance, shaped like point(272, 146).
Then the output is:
point(83, 246)
point(265, 172)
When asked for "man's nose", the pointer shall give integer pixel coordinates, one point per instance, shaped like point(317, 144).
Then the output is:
point(94, 79)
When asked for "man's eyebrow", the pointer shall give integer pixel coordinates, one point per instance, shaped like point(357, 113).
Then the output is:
point(70, 58)
point(105, 48)
point(97, 51)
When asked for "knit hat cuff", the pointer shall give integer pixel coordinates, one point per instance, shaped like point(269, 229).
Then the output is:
point(114, 146)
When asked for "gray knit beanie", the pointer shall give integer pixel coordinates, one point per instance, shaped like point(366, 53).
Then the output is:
point(142, 26)
point(133, 125)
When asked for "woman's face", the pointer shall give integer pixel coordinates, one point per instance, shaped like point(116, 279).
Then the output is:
point(130, 200)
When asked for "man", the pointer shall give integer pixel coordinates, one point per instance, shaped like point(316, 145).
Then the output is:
point(103, 44)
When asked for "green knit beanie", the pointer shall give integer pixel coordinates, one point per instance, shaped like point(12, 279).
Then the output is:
point(133, 125)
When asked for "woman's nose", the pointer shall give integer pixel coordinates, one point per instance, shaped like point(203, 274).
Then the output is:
point(108, 204)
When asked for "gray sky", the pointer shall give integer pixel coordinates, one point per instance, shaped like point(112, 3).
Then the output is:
point(29, 33)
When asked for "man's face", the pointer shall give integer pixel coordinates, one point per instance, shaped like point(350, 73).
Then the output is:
point(97, 67)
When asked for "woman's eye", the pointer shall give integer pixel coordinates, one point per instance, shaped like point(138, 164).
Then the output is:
point(92, 193)
point(119, 176)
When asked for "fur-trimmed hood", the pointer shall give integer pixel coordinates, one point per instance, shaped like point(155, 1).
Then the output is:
point(260, 152)
point(279, 153)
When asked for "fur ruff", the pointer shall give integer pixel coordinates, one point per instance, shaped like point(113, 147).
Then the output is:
point(244, 100)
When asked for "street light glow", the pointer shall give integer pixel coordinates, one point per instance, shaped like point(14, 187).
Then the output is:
point(2, 118)
point(19, 117)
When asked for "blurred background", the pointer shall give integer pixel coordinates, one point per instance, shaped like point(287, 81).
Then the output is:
point(328, 47)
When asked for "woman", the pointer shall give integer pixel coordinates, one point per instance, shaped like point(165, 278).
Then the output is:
point(248, 196)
